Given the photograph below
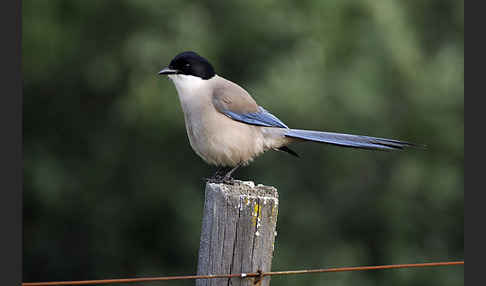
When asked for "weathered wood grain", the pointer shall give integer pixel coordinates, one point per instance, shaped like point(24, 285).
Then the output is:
point(238, 232)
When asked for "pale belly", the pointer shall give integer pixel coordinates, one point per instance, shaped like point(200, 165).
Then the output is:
point(222, 141)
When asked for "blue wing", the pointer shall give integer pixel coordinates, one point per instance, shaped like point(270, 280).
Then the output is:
point(262, 118)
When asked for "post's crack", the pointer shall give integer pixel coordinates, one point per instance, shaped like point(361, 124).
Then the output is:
point(234, 244)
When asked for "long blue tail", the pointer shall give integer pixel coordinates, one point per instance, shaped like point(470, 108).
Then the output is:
point(348, 140)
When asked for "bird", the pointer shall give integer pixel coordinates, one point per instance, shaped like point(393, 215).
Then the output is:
point(228, 129)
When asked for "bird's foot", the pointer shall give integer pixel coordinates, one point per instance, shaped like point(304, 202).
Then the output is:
point(222, 175)
point(220, 180)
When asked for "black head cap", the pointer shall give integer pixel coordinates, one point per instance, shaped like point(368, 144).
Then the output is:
point(190, 63)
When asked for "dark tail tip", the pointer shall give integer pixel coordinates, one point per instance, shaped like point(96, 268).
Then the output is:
point(288, 150)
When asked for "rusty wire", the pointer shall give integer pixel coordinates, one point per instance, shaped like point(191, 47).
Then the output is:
point(259, 275)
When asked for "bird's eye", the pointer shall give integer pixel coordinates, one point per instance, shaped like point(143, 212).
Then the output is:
point(187, 65)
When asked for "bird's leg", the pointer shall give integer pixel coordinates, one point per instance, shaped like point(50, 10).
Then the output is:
point(223, 175)
point(218, 176)
point(227, 177)
point(220, 172)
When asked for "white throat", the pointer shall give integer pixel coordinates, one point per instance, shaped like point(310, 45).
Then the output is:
point(191, 89)
point(186, 84)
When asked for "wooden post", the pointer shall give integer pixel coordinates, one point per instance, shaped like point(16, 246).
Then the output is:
point(238, 232)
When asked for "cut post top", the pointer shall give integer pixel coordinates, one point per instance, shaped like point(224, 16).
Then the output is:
point(245, 188)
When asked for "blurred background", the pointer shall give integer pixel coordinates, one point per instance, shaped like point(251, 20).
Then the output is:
point(112, 188)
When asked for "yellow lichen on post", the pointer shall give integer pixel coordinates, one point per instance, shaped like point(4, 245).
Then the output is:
point(257, 213)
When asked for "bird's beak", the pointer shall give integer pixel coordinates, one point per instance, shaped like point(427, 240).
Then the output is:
point(167, 71)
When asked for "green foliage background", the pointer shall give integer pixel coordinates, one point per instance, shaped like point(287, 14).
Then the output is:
point(112, 188)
